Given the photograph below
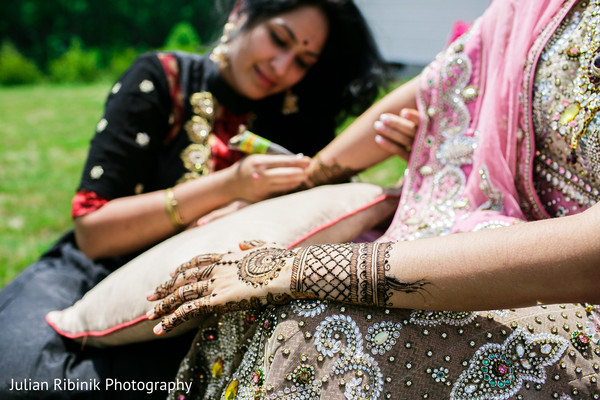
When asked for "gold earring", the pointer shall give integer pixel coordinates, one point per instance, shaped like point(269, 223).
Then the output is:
point(290, 103)
point(219, 54)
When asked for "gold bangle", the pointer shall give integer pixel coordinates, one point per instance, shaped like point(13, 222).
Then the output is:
point(172, 207)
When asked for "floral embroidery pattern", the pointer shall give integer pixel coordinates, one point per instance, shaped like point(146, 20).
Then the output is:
point(434, 318)
point(498, 371)
point(382, 336)
point(436, 203)
point(351, 357)
point(309, 308)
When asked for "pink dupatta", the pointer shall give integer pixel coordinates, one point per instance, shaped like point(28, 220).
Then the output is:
point(470, 165)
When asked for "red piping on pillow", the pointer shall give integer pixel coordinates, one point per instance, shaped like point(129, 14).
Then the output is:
point(142, 318)
point(377, 200)
point(95, 333)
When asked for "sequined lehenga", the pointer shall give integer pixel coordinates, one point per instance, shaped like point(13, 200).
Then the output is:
point(325, 350)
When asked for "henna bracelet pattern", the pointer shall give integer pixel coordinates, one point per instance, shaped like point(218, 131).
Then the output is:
point(350, 273)
point(321, 174)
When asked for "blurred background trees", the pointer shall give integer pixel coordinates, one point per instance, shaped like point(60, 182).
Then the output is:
point(86, 40)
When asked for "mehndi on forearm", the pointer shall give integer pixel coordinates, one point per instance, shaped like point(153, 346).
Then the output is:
point(325, 174)
point(356, 273)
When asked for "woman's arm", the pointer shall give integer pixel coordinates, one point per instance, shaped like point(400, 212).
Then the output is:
point(549, 261)
point(365, 143)
point(131, 223)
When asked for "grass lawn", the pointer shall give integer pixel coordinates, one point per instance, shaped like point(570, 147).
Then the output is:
point(44, 135)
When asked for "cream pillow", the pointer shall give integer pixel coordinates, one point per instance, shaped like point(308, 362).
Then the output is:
point(113, 312)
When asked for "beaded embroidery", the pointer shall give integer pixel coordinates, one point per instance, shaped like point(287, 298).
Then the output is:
point(382, 336)
point(218, 348)
point(309, 308)
point(450, 152)
point(249, 378)
point(434, 318)
point(350, 357)
point(567, 158)
point(498, 371)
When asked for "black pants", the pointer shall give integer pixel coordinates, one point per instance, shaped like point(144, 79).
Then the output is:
point(44, 365)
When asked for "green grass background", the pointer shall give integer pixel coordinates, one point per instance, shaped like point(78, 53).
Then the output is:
point(44, 136)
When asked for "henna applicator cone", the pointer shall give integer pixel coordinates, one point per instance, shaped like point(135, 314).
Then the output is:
point(250, 143)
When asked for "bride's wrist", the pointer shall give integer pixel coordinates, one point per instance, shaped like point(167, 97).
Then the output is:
point(349, 273)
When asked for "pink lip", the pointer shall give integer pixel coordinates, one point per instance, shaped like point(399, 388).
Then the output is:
point(263, 79)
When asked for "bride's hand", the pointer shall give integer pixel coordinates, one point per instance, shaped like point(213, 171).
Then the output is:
point(396, 133)
point(223, 282)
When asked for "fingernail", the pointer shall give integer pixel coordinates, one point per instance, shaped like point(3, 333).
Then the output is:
point(379, 139)
point(299, 155)
point(150, 314)
point(384, 117)
point(378, 125)
point(158, 330)
point(151, 295)
point(404, 113)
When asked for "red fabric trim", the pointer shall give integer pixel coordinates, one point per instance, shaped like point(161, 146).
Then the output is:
point(169, 63)
point(225, 127)
point(377, 200)
point(105, 332)
point(85, 202)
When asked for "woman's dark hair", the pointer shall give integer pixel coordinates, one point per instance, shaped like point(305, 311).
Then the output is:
point(350, 70)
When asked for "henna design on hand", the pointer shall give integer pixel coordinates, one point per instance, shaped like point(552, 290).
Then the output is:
point(185, 312)
point(261, 266)
point(198, 261)
point(202, 274)
point(165, 288)
point(321, 174)
point(183, 294)
point(185, 275)
point(253, 303)
point(350, 273)
point(203, 306)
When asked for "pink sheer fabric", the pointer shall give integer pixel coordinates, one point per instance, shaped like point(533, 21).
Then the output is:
point(476, 130)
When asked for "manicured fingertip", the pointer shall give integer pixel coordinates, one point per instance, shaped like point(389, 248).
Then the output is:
point(151, 295)
point(378, 125)
point(384, 117)
point(379, 139)
point(150, 314)
point(158, 330)
point(404, 113)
